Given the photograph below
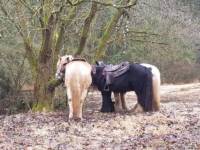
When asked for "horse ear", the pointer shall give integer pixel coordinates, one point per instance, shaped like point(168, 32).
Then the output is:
point(59, 57)
point(69, 58)
point(97, 63)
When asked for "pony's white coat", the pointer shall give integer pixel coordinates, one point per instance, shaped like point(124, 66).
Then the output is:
point(77, 81)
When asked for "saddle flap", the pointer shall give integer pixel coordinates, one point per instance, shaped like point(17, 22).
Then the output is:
point(113, 68)
point(113, 71)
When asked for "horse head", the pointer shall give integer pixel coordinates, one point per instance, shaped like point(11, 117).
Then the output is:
point(100, 63)
point(62, 61)
point(97, 73)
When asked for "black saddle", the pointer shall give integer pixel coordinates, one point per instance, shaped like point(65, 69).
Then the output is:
point(113, 71)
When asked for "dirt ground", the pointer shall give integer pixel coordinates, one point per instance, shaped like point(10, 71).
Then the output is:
point(175, 126)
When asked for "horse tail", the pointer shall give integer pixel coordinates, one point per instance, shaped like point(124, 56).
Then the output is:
point(148, 91)
point(153, 99)
point(76, 91)
point(156, 89)
point(79, 89)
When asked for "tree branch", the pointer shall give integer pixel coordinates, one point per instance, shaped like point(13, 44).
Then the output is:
point(86, 28)
point(17, 26)
point(153, 42)
point(26, 40)
point(100, 52)
point(77, 3)
point(116, 6)
point(106, 35)
point(24, 3)
point(48, 31)
point(104, 4)
point(41, 15)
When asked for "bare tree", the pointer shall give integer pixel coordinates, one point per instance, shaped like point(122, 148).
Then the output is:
point(42, 26)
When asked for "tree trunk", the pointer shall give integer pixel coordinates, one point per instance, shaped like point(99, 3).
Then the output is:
point(101, 50)
point(45, 85)
point(45, 71)
point(41, 93)
point(100, 53)
point(86, 28)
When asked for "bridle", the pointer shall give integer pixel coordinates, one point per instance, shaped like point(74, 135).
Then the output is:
point(62, 70)
point(61, 73)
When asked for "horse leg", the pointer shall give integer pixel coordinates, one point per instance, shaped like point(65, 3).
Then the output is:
point(156, 93)
point(107, 104)
point(137, 109)
point(118, 104)
point(66, 98)
point(83, 96)
point(69, 95)
point(122, 96)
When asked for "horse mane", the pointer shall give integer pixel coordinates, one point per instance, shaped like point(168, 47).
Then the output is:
point(79, 59)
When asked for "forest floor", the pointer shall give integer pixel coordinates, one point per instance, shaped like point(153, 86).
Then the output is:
point(175, 126)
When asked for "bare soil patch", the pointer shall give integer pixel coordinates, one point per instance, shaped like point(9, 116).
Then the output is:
point(175, 126)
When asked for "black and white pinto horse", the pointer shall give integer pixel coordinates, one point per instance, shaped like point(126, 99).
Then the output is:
point(144, 79)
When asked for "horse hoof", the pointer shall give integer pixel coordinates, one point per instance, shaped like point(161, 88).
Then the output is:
point(75, 119)
point(107, 110)
point(119, 110)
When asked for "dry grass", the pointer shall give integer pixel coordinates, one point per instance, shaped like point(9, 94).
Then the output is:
point(176, 126)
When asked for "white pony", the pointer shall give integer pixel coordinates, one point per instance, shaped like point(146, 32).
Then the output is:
point(77, 79)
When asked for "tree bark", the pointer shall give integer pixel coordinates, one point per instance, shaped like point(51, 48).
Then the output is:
point(45, 71)
point(101, 50)
point(86, 28)
point(45, 82)
point(41, 93)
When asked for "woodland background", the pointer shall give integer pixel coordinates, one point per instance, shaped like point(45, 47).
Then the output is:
point(165, 33)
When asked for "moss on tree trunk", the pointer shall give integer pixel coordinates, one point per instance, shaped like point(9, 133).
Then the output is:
point(100, 53)
point(52, 84)
point(44, 98)
point(101, 49)
point(86, 28)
